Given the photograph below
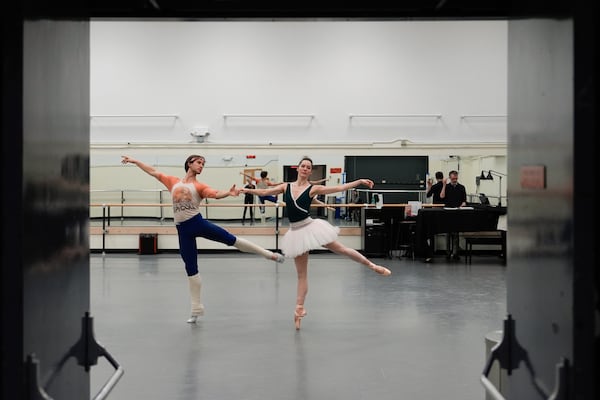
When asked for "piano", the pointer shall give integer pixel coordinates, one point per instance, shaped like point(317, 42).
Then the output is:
point(431, 221)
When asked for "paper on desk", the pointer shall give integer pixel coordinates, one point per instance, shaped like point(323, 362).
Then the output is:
point(412, 208)
point(501, 223)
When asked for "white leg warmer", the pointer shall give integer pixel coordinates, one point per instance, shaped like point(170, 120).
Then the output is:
point(195, 288)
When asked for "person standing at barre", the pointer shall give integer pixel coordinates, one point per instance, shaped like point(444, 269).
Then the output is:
point(248, 199)
point(262, 183)
point(306, 233)
point(187, 194)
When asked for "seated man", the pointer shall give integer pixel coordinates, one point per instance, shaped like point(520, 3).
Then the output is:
point(434, 191)
point(454, 195)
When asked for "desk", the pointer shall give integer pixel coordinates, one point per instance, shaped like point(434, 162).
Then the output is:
point(431, 221)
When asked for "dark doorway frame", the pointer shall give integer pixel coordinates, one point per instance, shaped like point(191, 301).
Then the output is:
point(585, 158)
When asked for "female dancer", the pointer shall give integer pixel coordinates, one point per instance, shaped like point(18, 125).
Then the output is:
point(187, 194)
point(306, 233)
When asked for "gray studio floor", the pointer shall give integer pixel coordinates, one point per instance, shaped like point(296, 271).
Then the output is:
point(418, 334)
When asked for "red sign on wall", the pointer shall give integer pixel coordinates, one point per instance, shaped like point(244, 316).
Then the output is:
point(335, 170)
point(533, 177)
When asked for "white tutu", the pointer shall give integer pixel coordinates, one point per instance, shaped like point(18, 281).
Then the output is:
point(306, 235)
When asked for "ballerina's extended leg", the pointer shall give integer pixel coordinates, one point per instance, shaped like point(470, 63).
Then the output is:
point(339, 248)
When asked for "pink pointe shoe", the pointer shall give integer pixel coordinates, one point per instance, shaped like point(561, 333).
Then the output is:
point(299, 313)
point(381, 270)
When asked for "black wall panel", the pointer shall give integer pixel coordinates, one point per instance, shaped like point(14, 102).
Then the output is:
point(399, 172)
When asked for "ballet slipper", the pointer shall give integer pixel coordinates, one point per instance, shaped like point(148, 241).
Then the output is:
point(193, 319)
point(299, 313)
point(278, 257)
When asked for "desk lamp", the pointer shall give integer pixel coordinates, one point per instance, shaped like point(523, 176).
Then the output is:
point(490, 177)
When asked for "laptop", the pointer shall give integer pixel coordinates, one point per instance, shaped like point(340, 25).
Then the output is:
point(484, 199)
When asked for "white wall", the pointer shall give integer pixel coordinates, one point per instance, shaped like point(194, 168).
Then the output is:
point(201, 71)
point(167, 78)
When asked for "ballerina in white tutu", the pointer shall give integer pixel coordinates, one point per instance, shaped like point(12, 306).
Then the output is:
point(306, 233)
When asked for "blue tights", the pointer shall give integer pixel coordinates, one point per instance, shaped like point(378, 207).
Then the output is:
point(195, 227)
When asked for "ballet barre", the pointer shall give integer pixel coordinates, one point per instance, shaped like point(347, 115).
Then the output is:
point(107, 229)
